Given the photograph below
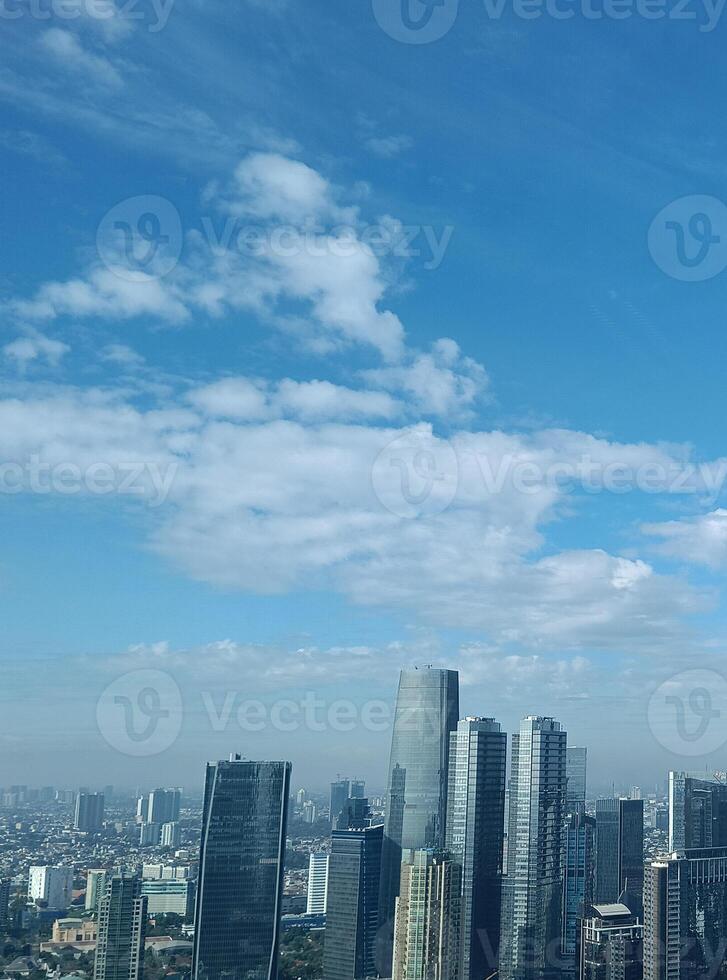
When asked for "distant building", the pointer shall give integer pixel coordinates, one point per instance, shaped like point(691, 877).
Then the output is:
point(317, 883)
point(576, 762)
point(340, 792)
point(607, 890)
point(89, 812)
point(164, 806)
point(241, 870)
point(426, 926)
point(121, 930)
point(358, 788)
point(166, 871)
point(171, 834)
point(352, 919)
point(149, 834)
point(310, 812)
point(95, 887)
point(300, 797)
point(74, 931)
point(619, 851)
point(611, 945)
point(578, 866)
point(169, 895)
point(52, 885)
point(5, 886)
point(697, 811)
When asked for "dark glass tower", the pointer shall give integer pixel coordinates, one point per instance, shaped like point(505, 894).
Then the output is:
point(631, 852)
point(427, 710)
point(474, 838)
point(607, 887)
point(121, 926)
point(241, 870)
point(89, 812)
point(354, 871)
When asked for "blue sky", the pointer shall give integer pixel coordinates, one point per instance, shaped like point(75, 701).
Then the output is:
point(265, 399)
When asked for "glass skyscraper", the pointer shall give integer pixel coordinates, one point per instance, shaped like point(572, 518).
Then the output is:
point(121, 930)
point(532, 889)
point(241, 870)
point(427, 710)
point(576, 759)
point(474, 838)
point(607, 876)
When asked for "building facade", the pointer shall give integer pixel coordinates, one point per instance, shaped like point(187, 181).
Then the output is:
point(533, 888)
point(240, 886)
point(317, 883)
point(89, 812)
point(474, 837)
point(51, 885)
point(578, 865)
point(611, 946)
point(576, 764)
point(121, 930)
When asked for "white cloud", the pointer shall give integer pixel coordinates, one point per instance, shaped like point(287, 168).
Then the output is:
point(388, 147)
point(35, 346)
point(66, 49)
point(701, 540)
point(121, 354)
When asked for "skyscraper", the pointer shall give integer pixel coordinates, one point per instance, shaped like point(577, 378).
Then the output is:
point(685, 914)
point(95, 887)
point(426, 931)
point(340, 792)
point(474, 837)
point(121, 930)
point(352, 913)
point(52, 885)
point(163, 806)
point(532, 890)
point(607, 885)
point(241, 870)
point(4, 903)
point(578, 864)
point(317, 883)
point(170, 834)
point(619, 851)
point(358, 788)
point(89, 812)
point(611, 944)
point(427, 710)
point(576, 760)
point(697, 811)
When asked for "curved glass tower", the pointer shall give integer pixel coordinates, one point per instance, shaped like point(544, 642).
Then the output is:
point(427, 710)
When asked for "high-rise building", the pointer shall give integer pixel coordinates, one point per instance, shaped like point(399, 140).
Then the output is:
point(426, 931)
point(149, 834)
point(171, 834)
point(340, 792)
point(685, 914)
point(611, 944)
point(352, 916)
point(310, 811)
point(300, 797)
point(619, 851)
point(697, 811)
point(607, 890)
point(631, 853)
point(317, 883)
point(89, 812)
point(356, 813)
point(578, 865)
point(427, 711)
point(4, 904)
point(95, 887)
point(164, 806)
point(532, 890)
point(121, 930)
point(52, 885)
point(240, 889)
point(474, 837)
point(358, 788)
point(576, 761)
point(142, 808)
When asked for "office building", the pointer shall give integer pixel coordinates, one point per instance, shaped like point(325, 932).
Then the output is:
point(427, 928)
point(166, 872)
point(317, 883)
point(685, 914)
point(697, 811)
point(578, 865)
point(532, 890)
point(619, 851)
point(356, 813)
point(358, 788)
point(169, 895)
point(352, 914)
point(95, 887)
point(474, 837)
point(171, 834)
point(611, 945)
point(121, 930)
point(149, 834)
point(427, 711)
point(576, 761)
point(74, 931)
point(240, 886)
point(164, 805)
point(50, 885)
point(300, 797)
point(310, 812)
point(607, 890)
point(89, 812)
point(340, 792)
point(5, 886)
